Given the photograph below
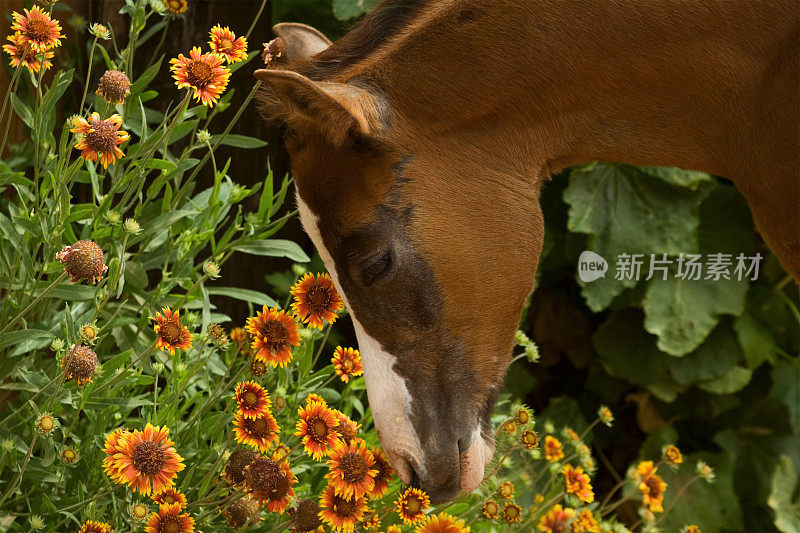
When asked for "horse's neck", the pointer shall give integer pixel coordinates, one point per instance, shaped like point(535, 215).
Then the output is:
point(659, 83)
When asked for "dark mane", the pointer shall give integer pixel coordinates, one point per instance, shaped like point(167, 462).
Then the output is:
point(384, 21)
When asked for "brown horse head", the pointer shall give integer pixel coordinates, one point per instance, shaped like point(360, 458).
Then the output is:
point(432, 253)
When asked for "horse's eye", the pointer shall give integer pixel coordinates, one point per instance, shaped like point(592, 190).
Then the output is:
point(376, 267)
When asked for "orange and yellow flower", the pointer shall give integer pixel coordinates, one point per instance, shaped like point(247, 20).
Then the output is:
point(316, 300)
point(652, 488)
point(146, 460)
point(110, 447)
point(412, 504)
point(171, 334)
point(553, 450)
point(224, 42)
point(317, 428)
point(252, 399)
point(347, 363)
point(95, 527)
point(22, 55)
point(585, 523)
point(101, 138)
point(529, 439)
point(578, 483)
point(170, 496)
point(672, 455)
point(347, 428)
point(339, 512)
point(352, 468)
point(506, 490)
point(169, 518)
point(384, 475)
point(512, 513)
point(556, 519)
point(176, 6)
point(270, 483)
point(203, 73)
point(490, 509)
point(260, 432)
point(37, 30)
point(442, 523)
point(273, 333)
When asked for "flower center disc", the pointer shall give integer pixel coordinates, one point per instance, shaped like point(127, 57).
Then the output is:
point(512, 512)
point(347, 364)
point(46, 423)
point(342, 507)
point(258, 427)
point(37, 30)
point(319, 299)
point(354, 467)
point(171, 332)
point(250, 399)
point(413, 506)
point(103, 138)
point(318, 429)
point(149, 458)
point(199, 74)
point(170, 524)
point(275, 335)
point(225, 44)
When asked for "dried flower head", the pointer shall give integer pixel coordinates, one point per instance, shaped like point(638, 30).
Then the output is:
point(305, 516)
point(217, 335)
point(114, 86)
point(347, 363)
point(242, 512)
point(238, 460)
point(83, 261)
point(131, 226)
point(100, 31)
point(22, 54)
point(316, 300)
point(274, 52)
point(46, 424)
point(203, 73)
point(80, 363)
point(224, 42)
point(270, 482)
point(37, 29)
point(101, 138)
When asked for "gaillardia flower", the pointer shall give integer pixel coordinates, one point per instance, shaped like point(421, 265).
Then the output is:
point(316, 300)
point(556, 519)
point(146, 460)
point(176, 6)
point(171, 334)
point(347, 428)
point(37, 30)
point(114, 86)
point(22, 55)
point(442, 523)
point(352, 469)
point(578, 483)
point(112, 444)
point(522, 416)
point(305, 516)
point(169, 518)
point(69, 456)
point(506, 490)
point(529, 439)
point(490, 509)
point(512, 513)
point(317, 429)
point(339, 512)
point(274, 332)
point(652, 488)
point(347, 363)
point(672, 455)
point(234, 469)
point(252, 399)
point(80, 362)
point(270, 482)
point(585, 523)
point(91, 526)
point(259, 432)
point(45, 424)
point(224, 42)
point(384, 475)
point(203, 73)
point(170, 496)
point(553, 450)
point(83, 261)
point(101, 138)
point(242, 512)
point(411, 505)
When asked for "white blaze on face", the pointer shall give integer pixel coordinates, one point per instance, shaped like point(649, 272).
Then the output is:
point(389, 399)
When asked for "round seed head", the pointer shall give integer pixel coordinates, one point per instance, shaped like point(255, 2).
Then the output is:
point(114, 86)
point(83, 261)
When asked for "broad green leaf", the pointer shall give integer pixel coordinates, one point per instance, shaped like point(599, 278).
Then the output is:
point(712, 360)
point(731, 381)
point(676, 176)
point(348, 9)
point(783, 498)
point(625, 210)
point(274, 248)
point(246, 295)
point(756, 340)
point(786, 389)
point(11, 338)
point(22, 110)
point(627, 351)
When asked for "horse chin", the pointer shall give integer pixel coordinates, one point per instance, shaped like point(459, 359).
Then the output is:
point(473, 461)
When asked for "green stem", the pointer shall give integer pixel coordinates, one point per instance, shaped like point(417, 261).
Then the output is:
point(35, 301)
point(88, 76)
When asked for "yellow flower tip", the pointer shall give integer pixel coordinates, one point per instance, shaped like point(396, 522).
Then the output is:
point(347, 363)
point(91, 526)
point(672, 455)
point(169, 518)
point(506, 490)
point(553, 449)
point(412, 504)
point(512, 513)
point(605, 415)
point(577, 483)
point(69, 456)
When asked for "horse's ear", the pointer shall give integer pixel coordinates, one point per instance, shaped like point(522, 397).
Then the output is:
point(333, 109)
point(301, 41)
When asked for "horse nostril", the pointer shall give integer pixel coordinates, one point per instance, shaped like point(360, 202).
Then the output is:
point(414, 482)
